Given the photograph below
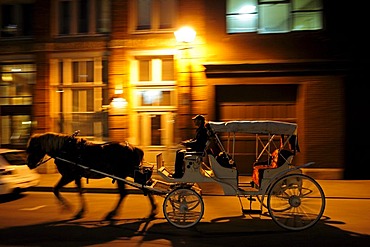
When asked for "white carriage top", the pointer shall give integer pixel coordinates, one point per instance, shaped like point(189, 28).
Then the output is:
point(255, 127)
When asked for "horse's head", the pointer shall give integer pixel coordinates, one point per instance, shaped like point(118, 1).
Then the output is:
point(40, 145)
point(35, 151)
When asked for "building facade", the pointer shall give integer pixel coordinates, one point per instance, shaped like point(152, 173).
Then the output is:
point(114, 70)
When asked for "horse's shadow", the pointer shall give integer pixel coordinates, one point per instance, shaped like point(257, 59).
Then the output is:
point(225, 231)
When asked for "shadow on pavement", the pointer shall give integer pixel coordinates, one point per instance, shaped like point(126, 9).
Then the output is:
point(226, 231)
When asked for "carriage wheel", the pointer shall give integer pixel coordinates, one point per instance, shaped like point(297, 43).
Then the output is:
point(183, 208)
point(296, 202)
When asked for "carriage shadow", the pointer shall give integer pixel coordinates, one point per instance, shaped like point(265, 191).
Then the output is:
point(225, 231)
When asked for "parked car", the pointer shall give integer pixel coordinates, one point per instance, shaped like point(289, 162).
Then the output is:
point(15, 176)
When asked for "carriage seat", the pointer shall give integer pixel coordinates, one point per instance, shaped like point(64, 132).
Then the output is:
point(278, 158)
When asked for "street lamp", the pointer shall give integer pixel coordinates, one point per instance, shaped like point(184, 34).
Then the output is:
point(185, 36)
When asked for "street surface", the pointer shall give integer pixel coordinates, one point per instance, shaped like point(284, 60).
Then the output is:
point(35, 219)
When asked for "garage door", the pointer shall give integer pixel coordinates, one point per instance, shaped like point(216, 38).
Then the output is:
point(254, 102)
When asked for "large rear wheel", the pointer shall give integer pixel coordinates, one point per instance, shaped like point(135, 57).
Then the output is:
point(296, 202)
point(183, 208)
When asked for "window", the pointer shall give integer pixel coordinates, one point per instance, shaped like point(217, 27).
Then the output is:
point(16, 89)
point(78, 93)
point(156, 130)
point(273, 16)
point(155, 70)
point(83, 17)
point(154, 99)
point(16, 19)
point(307, 15)
point(241, 16)
point(16, 84)
point(155, 81)
point(83, 71)
point(154, 15)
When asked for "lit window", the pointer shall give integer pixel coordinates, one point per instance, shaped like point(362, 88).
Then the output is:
point(16, 84)
point(241, 16)
point(83, 71)
point(307, 15)
point(78, 96)
point(156, 70)
point(155, 97)
point(273, 16)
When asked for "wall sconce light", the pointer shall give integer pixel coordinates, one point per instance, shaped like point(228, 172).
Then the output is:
point(118, 101)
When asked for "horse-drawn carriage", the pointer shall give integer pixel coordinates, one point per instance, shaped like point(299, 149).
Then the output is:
point(293, 200)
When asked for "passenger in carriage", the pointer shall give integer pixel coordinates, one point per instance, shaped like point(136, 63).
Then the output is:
point(278, 158)
point(197, 144)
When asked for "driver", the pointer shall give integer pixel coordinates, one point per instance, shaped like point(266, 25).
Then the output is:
point(197, 144)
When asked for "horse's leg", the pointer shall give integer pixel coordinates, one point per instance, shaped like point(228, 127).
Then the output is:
point(56, 190)
point(154, 205)
point(122, 194)
point(80, 213)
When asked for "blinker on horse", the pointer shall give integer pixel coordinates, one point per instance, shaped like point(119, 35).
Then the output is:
point(71, 154)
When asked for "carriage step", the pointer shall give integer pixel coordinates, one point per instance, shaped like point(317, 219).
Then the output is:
point(252, 211)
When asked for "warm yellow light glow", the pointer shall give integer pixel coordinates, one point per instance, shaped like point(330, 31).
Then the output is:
point(118, 91)
point(185, 35)
point(7, 77)
point(119, 103)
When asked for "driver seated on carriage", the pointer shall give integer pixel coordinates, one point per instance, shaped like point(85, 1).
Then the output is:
point(196, 144)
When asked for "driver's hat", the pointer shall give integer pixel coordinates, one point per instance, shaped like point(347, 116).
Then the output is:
point(199, 116)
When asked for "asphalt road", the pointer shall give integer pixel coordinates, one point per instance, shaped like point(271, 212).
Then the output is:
point(35, 219)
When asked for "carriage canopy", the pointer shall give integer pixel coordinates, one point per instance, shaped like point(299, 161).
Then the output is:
point(255, 127)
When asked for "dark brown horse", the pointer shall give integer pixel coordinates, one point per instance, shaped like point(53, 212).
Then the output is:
point(72, 155)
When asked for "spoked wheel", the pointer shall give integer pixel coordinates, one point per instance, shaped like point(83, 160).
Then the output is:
point(296, 202)
point(183, 208)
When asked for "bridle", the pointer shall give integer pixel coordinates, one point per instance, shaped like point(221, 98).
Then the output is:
point(42, 161)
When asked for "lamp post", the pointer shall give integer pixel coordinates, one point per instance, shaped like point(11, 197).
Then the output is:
point(185, 36)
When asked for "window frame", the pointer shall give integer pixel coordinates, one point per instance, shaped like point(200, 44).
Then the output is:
point(154, 23)
point(312, 15)
point(95, 23)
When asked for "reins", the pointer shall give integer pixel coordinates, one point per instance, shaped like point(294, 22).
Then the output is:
point(43, 161)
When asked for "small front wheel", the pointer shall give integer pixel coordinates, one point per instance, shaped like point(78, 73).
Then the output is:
point(296, 202)
point(183, 208)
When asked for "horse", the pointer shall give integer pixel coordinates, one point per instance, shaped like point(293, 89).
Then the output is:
point(78, 158)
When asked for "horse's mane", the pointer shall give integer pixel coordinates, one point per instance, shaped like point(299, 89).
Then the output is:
point(51, 142)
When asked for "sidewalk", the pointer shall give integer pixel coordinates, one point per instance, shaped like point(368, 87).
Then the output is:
point(332, 188)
